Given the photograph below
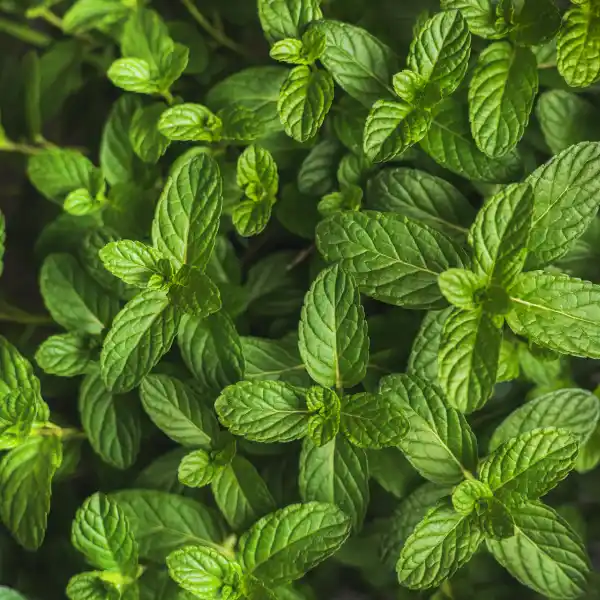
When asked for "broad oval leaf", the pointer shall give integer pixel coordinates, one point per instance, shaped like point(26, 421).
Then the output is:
point(282, 19)
point(392, 258)
point(333, 333)
point(146, 139)
point(64, 355)
point(501, 95)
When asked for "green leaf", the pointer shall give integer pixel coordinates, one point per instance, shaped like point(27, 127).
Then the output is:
point(500, 234)
point(90, 586)
point(205, 572)
point(194, 293)
point(133, 262)
point(479, 15)
point(334, 341)
point(530, 465)
point(10, 594)
point(304, 101)
point(449, 143)
point(140, 335)
point(467, 493)
point(257, 173)
point(461, 288)
point(200, 467)
point(286, 544)
point(146, 139)
point(566, 119)
point(73, 299)
point(557, 312)
point(26, 476)
point(133, 75)
point(324, 423)
point(112, 424)
point(16, 372)
point(439, 443)
point(287, 18)
point(212, 350)
point(56, 172)
point(190, 123)
point(177, 410)
point(163, 522)
point(64, 355)
point(251, 218)
point(422, 197)
point(565, 201)
point(101, 532)
point(575, 410)
point(80, 202)
point(241, 494)
point(440, 53)
point(440, 544)
point(578, 45)
point(337, 473)
point(393, 127)
point(373, 421)
point(85, 15)
point(534, 22)
point(17, 415)
point(392, 258)
point(263, 411)
point(359, 63)
point(300, 52)
point(501, 95)
point(188, 212)
point(543, 538)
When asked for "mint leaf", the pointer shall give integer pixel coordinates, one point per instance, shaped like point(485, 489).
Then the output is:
point(194, 293)
point(205, 572)
point(359, 63)
point(163, 522)
point(467, 494)
point(91, 14)
point(190, 123)
point(333, 334)
point(300, 537)
point(177, 410)
point(479, 15)
point(101, 532)
point(575, 410)
point(112, 424)
point(241, 494)
point(188, 212)
point(132, 262)
point(439, 442)
point(263, 411)
point(423, 197)
point(17, 415)
point(64, 355)
point(212, 350)
point(257, 173)
point(287, 18)
point(16, 372)
point(146, 139)
point(500, 234)
point(373, 421)
point(304, 101)
point(134, 75)
point(557, 312)
point(501, 95)
point(89, 586)
point(140, 335)
point(251, 218)
point(565, 200)
point(530, 465)
point(462, 288)
point(393, 259)
point(26, 474)
point(325, 407)
point(440, 544)
point(542, 537)
point(73, 299)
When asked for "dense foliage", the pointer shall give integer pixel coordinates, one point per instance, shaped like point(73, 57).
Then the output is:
point(299, 290)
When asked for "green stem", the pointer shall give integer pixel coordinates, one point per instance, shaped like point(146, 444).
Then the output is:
point(47, 15)
point(166, 94)
point(24, 33)
point(217, 35)
point(9, 146)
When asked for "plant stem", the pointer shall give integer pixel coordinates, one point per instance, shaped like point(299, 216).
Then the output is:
point(217, 35)
point(8, 146)
point(166, 94)
point(24, 33)
point(49, 17)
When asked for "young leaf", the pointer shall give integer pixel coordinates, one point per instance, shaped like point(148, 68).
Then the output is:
point(393, 259)
point(188, 212)
point(177, 410)
point(91, 14)
point(325, 408)
point(90, 586)
point(194, 293)
point(132, 262)
point(440, 544)
point(101, 532)
point(543, 538)
point(439, 442)
point(575, 410)
point(190, 123)
point(26, 474)
point(263, 411)
point(241, 494)
point(16, 372)
point(462, 288)
point(140, 335)
point(557, 312)
point(205, 572)
point(501, 96)
point(373, 421)
point(112, 424)
point(336, 473)
point(133, 75)
point(287, 18)
point(64, 355)
point(423, 197)
point(251, 218)
point(304, 101)
point(468, 357)
point(500, 233)
point(530, 465)
point(257, 173)
point(17, 415)
point(479, 15)
point(333, 334)
point(286, 544)
point(467, 493)
point(146, 139)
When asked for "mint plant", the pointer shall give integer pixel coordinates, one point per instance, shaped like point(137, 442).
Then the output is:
point(299, 299)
